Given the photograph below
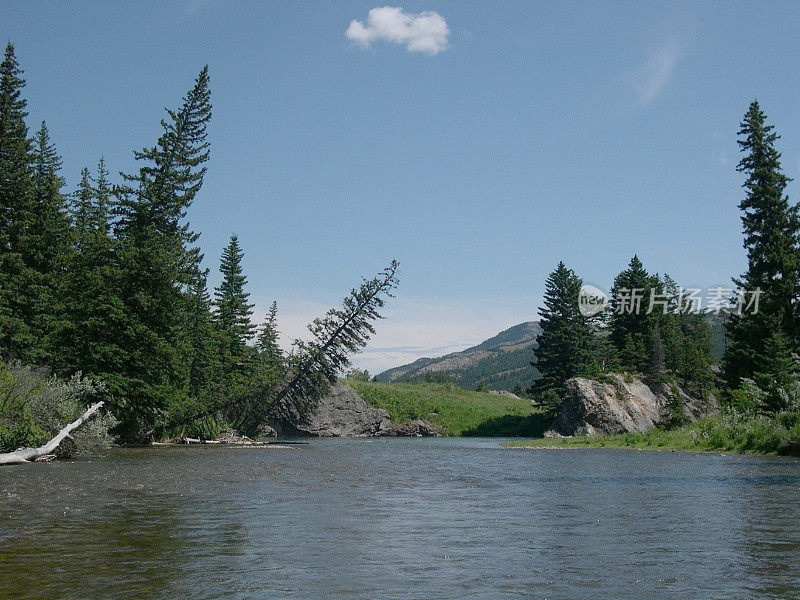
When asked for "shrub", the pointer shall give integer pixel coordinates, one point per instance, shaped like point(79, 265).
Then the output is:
point(35, 405)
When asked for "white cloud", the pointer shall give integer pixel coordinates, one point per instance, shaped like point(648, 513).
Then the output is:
point(424, 32)
point(657, 71)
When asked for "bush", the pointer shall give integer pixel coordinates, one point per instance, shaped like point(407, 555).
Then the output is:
point(358, 375)
point(35, 405)
point(750, 432)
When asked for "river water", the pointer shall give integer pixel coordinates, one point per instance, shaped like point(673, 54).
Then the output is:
point(400, 518)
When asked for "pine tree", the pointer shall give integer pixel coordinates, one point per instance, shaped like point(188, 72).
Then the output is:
point(631, 329)
point(16, 197)
point(233, 312)
point(566, 341)
point(88, 338)
point(271, 361)
point(157, 264)
point(91, 204)
point(776, 372)
point(81, 207)
point(203, 363)
point(686, 336)
point(772, 240)
point(47, 244)
point(314, 365)
point(656, 370)
point(267, 343)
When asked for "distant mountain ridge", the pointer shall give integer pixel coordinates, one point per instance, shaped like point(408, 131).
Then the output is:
point(501, 362)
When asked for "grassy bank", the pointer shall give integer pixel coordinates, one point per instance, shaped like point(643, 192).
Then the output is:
point(727, 432)
point(456, 411)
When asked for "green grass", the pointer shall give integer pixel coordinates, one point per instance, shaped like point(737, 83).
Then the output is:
point(726, 432)
point(456, 411)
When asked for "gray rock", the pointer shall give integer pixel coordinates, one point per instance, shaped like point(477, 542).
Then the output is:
point(504, 393)
point(340, 413)
point(624, 405)
point(265, 431)
point(417, 428)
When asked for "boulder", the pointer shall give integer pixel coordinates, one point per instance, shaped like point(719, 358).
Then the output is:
point(505, 394)
point(340, 413)
point(624, 404)
point(416, 428)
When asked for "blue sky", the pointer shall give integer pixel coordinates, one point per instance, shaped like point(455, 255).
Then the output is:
point(478, 154)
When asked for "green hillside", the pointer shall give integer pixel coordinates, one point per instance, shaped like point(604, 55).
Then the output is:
point(457, 411)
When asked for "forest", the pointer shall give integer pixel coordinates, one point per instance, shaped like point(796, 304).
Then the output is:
point(661, 334)
point(103, 297)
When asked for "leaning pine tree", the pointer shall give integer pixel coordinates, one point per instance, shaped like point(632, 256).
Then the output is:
point(158, 264)
point(315, 364)
point(772, 240)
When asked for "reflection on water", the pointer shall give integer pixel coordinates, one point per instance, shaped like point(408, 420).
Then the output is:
point(400, 518)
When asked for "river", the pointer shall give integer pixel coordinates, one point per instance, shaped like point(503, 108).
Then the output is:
point(400, 518)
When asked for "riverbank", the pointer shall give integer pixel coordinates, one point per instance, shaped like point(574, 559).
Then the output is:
point(726, 432)
point(457, 412)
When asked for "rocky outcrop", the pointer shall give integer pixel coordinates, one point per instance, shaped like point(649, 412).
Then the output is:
point(623, 404)
point(340, 413)
point(416, 428)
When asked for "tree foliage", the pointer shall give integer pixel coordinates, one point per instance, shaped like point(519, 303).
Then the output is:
point(771, 226)
point(566, 343)
point(107, 281)
point(313, 365)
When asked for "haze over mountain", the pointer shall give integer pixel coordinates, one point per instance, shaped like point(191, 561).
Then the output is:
point(501, 362)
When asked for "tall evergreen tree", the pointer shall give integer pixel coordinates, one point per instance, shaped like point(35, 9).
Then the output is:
point(16, 197)
point(88, 339)
point(772, 240)
point(233, 312)
point(81, 207)
point(91, 204)
point(47, 244)
point(271, 362)
point(565, 343)
point(158, 263)
point(202, 335)
point(631, 329)
point(776, 372)
point(267, 342)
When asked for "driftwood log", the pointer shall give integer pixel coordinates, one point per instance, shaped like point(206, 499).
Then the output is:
point(24, 455)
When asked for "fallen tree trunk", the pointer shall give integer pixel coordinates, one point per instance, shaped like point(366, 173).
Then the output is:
point(24, 455)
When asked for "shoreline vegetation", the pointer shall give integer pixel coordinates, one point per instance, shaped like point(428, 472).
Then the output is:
point(723, 433)
point(107, 283)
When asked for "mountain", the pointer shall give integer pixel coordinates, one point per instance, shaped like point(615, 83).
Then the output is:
point(501, 362)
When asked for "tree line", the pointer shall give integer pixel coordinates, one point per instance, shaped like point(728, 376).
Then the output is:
point(759, 370)
point(107, 281)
